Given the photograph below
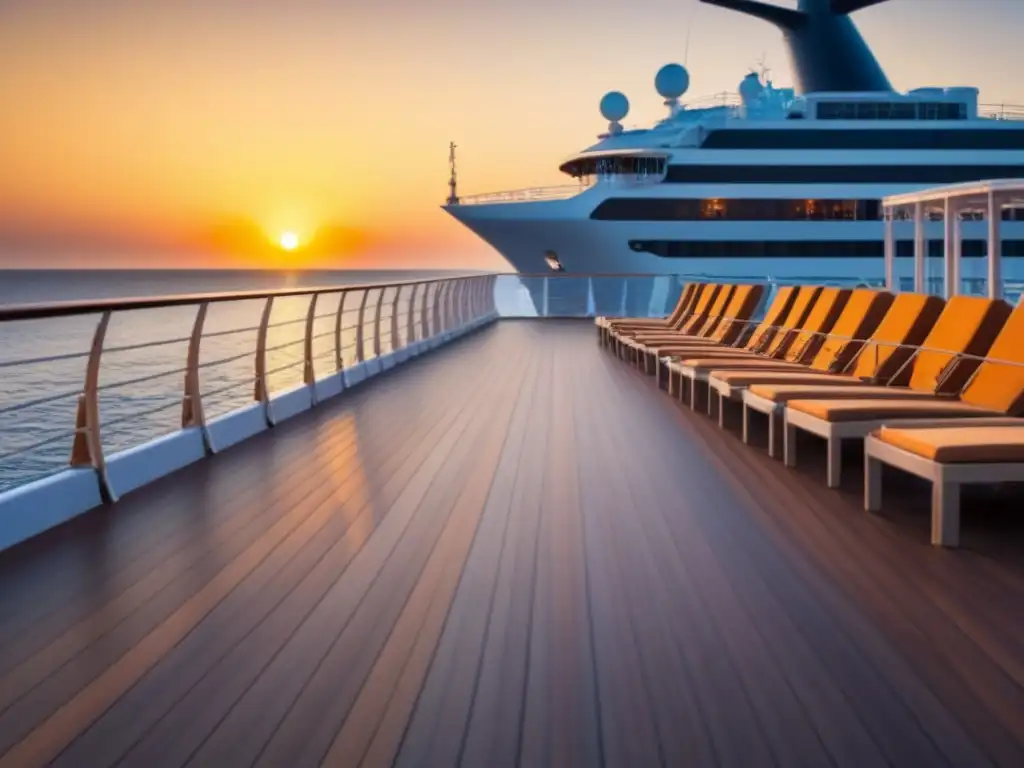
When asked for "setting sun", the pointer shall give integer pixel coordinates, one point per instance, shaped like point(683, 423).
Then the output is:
point(289, 241)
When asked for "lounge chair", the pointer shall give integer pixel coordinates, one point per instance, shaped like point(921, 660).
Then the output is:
point(722, 330)
point(860, 318)
point(952, 368)
point(699, 312)
point(704, 321)
point(949, 454)
point(792, 350)
point(882, 360)
point(609, 326)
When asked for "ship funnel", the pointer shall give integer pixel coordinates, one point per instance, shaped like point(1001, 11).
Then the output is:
point(828, 51)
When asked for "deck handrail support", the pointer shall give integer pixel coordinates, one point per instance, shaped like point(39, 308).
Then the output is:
point(261, 391)
point(920, 250)
point(410, 320)
point(467, 302)
point(376, 323)
point(360, 342)
point(463, 306)
point(429, 289)
point(435, 310)
point(442, 307)
point(87, 448)
point(339, 353)
point(492, 304)
point(308, 374)
point(394, 319)
point(192, 412)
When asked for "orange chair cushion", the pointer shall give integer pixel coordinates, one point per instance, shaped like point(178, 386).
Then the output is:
point(872, 409)
point(961, 444)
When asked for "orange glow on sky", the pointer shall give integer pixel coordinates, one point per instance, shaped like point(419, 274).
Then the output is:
point(193, 133)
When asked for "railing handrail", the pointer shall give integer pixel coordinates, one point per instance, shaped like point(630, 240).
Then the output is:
point(43, 310)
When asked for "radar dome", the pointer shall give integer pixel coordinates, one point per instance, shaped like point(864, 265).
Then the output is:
point(614, 106)
point(751, 89)
point(672, 81)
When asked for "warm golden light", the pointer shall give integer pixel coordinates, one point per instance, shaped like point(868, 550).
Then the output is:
point(289, 241)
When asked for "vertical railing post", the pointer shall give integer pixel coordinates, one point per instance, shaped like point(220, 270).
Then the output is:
point(308, 372)
point(87, 448)
point(376, 323)
point(545, 303)
point(192, 413)
point(261, 390)
point(474, 311)
point(394, 318)
point(440, 297)
point(339, 350)
point(410, 325)
point(426, 311)
point(453, 304)
point(360, 332)
point(492, 300)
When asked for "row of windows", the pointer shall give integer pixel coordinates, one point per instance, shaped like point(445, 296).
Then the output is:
point(825, 138)
point(690, 209)
point(887, 110)
point(810, 249)
point(831, 174)
point(641, 167)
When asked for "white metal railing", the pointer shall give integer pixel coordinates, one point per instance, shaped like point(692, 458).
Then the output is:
point(1001, 111)
point(162, 364)
point(558, 192)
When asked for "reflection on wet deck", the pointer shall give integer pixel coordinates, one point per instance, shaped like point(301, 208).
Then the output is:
point(513, 551)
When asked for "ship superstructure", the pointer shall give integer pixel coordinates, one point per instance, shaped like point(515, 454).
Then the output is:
point(771, 181)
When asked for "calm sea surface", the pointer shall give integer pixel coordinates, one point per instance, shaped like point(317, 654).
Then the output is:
point(35, 437)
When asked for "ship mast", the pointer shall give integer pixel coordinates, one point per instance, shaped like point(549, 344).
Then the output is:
point(453, 195)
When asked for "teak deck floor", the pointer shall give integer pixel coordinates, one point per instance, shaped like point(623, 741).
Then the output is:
point(513, 551)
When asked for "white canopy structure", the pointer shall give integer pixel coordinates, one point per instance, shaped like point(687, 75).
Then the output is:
point(987, 198)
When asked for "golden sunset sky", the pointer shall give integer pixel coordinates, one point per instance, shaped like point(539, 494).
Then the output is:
point(194, 132)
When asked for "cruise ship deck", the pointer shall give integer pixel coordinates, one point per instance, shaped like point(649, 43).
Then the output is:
point(512, 551)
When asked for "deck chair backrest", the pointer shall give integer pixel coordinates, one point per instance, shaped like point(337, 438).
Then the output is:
point(702, 307)
point(745, 299)
point(802, 307)
point(716, 313)
point(686, 299)
point(998, 383)
point(906, 325)
point(822, 317)
point(774, 317)
point(860, 317)
point(967, 326)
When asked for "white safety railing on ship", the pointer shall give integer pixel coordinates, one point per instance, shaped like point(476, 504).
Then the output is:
point(337, 330)
point(559, 192)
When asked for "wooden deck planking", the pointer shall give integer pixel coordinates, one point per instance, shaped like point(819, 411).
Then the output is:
point(512, 552)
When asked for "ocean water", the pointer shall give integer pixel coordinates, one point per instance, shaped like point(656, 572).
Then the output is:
point(141, 386)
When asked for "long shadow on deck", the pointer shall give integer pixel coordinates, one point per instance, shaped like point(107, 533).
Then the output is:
point(514, 551)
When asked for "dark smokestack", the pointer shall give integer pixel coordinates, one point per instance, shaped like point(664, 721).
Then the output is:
point(828, 52)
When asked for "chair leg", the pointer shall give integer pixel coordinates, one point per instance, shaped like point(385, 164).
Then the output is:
point(671, 391)
point(835, 462)
point(746, 424)
point(872, 484)
point(789, 445)
point(946, 514)
point(721, 411)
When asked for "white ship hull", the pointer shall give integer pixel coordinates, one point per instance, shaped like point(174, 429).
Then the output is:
point(527, 233)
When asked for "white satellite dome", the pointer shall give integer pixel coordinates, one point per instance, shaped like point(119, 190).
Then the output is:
point(672, 81)
point(614, 106)
point(750, 88)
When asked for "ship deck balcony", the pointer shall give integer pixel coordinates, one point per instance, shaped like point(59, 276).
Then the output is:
point(512, 550)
